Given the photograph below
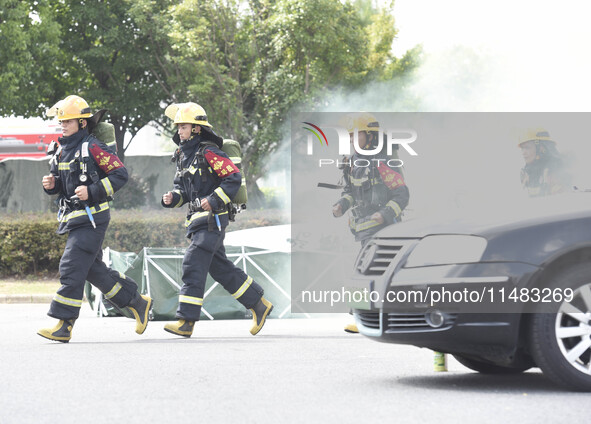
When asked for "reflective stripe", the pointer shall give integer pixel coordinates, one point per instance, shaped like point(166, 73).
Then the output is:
point(200, 215)
point(108, 187)
point(195, 216)
point(180, 203)
point(243, 288)
point(67, 301)
point(349, 199)
point(103, 206)
point(190, 299)
point(236, 159)
point(364, 225)
point(394, 206)
point(358, 181)
point(65, 166)
point(222, 195)
point(113, 291)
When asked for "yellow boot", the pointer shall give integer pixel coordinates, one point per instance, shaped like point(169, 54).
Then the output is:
point(351, 328)
point(62, 332)
point(259, 315)
point(181, 328)
point(140, 308)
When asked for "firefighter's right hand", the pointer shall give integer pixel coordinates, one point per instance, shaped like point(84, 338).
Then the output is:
point(48, 182)
point(167, 198)
point(337, 210)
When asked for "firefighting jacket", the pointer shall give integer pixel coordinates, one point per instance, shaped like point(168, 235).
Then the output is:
point(370, 189)
point(540, 178)
point(102, 172)
point(217, 179)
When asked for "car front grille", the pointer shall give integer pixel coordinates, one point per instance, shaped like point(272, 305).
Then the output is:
point(370, 320)
point(400, 322)
point(378, 255)
point(412, 321)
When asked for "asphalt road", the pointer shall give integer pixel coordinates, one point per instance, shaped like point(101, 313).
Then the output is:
point(294, 371)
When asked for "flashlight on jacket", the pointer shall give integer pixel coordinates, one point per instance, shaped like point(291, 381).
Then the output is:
point(217, 221)
point(75, 198)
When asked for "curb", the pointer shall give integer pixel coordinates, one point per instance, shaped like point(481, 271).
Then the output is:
point(26, 298)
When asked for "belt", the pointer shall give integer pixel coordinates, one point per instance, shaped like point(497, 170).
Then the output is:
point(65, 214)
point(202, 214)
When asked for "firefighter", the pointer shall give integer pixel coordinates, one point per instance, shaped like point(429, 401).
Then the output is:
point(375, 194)
point(544, 172)
point(206, 180)
point(84, 174)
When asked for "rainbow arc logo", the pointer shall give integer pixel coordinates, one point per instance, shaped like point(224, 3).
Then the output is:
point(317, 132)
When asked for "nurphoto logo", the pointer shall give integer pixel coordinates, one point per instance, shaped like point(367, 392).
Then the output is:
point(391, 138)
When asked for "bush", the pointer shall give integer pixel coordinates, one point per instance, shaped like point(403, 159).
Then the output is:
point(30, 245)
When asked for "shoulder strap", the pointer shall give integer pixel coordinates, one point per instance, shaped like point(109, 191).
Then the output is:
point(204, 145)
point(200, 158)
point(85, 153)
point(89, 167)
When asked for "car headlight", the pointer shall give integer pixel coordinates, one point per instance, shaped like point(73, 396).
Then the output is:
point(445, 250)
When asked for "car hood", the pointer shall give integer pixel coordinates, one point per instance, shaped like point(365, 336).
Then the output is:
point(495, 217)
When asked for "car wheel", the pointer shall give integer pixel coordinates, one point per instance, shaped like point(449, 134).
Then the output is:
point(487, 367)
point(561, 341)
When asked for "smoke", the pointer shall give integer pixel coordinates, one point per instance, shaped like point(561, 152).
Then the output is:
point(527, 59)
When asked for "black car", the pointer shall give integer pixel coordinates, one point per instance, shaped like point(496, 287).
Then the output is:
point(500, 291)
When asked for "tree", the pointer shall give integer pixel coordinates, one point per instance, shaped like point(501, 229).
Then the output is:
point(116, 59)
point(29, 57)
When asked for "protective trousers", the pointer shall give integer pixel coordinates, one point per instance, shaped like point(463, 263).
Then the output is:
point(81, 261)
point(207, 254)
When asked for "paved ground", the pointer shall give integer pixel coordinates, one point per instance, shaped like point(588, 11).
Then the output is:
point(295, 371)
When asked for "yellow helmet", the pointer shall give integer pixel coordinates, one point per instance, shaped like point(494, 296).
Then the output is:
point(362, 122)
point(71, 107)
point(187, 113)
point(534, 134)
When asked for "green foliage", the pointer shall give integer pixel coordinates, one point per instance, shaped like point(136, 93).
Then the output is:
point(116, 61)
point(28, 246)
point(29, 56)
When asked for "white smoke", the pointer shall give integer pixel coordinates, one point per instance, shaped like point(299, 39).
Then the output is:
point(501, 56)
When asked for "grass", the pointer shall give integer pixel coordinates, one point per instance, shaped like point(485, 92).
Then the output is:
point(9, 286)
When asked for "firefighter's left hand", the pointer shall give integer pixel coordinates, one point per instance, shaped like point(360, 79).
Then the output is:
point(82, 192)
point(377, 217)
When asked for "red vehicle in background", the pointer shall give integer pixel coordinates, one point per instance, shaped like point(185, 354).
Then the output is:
point(27, 140)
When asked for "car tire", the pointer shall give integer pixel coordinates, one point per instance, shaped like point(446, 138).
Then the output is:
point(560, 342)
point(487, 367)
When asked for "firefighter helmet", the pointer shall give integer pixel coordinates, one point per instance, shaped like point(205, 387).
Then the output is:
point(536, 135)
point(362, 122)
point(72, 107)
point(187, 113)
